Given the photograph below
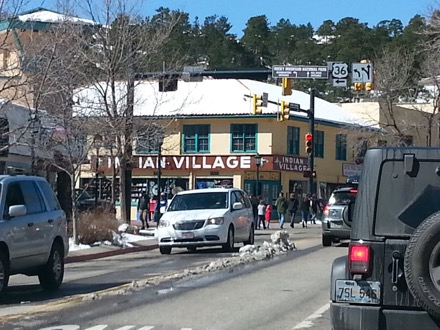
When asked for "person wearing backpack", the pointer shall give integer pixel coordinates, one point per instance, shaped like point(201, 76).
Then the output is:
point(292, 207)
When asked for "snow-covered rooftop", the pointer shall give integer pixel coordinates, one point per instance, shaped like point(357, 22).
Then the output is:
point(212, 97)
point(50, 16)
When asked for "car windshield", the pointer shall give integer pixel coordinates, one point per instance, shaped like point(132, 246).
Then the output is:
point(199, 201)
point(343, 197)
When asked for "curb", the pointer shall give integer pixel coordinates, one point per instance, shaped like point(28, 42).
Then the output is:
point(85, 257)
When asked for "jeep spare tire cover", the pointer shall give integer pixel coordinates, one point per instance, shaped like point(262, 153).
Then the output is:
point(422, 265)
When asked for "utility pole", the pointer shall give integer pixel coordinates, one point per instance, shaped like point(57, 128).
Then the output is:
point(311, 160)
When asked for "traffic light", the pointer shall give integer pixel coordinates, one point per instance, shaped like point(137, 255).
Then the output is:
point(369, 86)
point(308, 143)
point(287, 86)
point(257, 103)
point(284, 113)
point(358, 86)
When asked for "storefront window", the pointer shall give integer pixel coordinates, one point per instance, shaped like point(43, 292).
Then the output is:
point(202, 183)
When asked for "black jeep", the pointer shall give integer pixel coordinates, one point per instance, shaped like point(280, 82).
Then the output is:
point(391, 276)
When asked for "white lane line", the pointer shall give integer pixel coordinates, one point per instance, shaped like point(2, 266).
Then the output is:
point(146, 328)
point(308, 322)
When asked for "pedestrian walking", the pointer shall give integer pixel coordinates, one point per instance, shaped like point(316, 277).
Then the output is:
point(254, 202)
point(315, 207)
point(304, 207)
point(143, 207)
point(292, 207)
point(261, 214)
point(268, 214)
point(281, 206)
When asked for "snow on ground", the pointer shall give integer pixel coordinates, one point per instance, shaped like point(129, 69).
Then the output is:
point(280, 244)
point(122, 239)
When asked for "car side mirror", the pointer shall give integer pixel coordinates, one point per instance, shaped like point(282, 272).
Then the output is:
point(17, 211)
point(237, 206)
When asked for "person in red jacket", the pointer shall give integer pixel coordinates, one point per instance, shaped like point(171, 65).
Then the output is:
point(268, 214)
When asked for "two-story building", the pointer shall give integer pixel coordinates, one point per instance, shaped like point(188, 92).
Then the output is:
point(213, 139)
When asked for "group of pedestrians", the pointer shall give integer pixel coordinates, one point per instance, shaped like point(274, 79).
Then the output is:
point(307, 204)
point(262, 212)
point(151, 209)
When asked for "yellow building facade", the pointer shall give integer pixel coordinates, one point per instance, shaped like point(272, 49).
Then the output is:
point(220, 146)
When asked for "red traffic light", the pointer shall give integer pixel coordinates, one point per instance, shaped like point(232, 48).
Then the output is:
point(308, 143)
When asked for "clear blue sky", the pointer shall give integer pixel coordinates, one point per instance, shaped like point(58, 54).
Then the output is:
point(297, 11)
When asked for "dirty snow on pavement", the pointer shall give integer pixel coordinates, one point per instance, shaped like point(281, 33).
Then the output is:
point(280, 244)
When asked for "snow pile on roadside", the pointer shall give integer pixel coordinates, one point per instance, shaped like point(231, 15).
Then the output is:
point(280, 244)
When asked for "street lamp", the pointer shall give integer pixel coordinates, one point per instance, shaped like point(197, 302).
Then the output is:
point(258, 163)
point(97, 141)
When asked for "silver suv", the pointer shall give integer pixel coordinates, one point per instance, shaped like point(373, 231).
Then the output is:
point(33, 231)
point(335, 223)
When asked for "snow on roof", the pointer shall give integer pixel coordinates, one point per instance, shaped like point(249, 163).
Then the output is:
point(50, 16)
point(211, 97)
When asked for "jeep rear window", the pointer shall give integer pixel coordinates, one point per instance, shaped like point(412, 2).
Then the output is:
point(404, 200)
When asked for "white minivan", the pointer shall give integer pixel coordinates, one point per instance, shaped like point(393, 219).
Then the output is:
point(206, 217)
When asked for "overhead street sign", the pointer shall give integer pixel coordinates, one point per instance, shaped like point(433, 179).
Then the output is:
point(294, 107)
point(339, 82)
point(362, 72)
point(339, 70)
point(299, 72)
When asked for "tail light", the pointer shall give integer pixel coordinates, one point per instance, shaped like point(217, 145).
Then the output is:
point(354, 191)
point(359, 258)
point(326, 210)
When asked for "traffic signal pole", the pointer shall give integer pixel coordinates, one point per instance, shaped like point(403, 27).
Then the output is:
point(311, 160)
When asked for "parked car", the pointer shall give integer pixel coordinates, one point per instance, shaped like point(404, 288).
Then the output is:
point(33, 231)
point(85, 202)
point(390, 278)
point(206, 217)
point(335, 223)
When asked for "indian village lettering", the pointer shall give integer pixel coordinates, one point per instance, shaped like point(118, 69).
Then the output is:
point(270, 163)
point(294, 164)
point(189, 162)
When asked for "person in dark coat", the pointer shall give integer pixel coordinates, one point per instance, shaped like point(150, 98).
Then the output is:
point(143, 208)
point(254, 202)
point(281, 206)
point(292, 207)
point(315, 207)
point(304, 207)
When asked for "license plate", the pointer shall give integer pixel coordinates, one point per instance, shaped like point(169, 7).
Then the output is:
point(363, 292)
point(188, 235)
point(335, 225)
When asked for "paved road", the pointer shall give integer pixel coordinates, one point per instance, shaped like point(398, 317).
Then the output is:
point(289, 292)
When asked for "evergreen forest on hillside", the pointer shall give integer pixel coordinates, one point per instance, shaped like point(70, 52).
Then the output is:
point(210, 43)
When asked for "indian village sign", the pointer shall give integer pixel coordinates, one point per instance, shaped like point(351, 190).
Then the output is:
point(244, 162)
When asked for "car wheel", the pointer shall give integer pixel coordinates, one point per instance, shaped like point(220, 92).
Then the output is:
point(326, 240)
point(52, 274)
point(165, 249)
point(192, 248)
point(4, 275)
point(422, 265)
point(251, 239)
point(229, 246)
